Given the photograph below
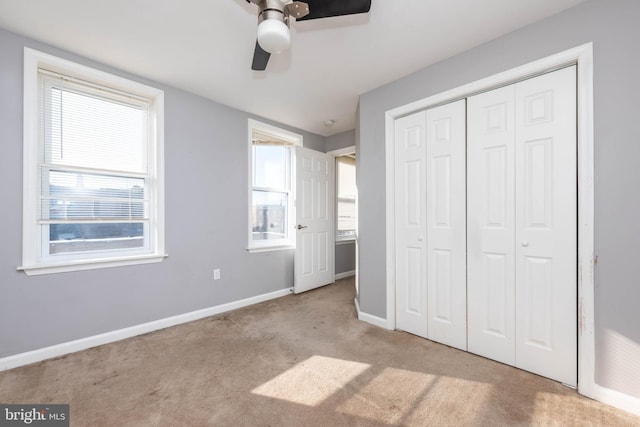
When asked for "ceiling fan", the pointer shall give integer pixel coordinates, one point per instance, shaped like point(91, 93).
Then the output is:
point(274, 20)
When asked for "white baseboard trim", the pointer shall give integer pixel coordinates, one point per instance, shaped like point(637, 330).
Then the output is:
point(345, 274)
point(615, 398)
point(370, 318)
point(57, 350)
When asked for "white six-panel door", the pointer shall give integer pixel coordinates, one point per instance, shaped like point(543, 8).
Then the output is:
point(411, 227)
point(446, 225)
point(314, 263)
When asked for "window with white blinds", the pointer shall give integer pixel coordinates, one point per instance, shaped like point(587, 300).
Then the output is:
point(93, 175)
point(98, 167)
point(271, 185)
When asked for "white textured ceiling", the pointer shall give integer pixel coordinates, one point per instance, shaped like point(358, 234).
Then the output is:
point(206, 47)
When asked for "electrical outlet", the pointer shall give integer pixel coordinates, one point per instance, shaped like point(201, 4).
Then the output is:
point(216, 274)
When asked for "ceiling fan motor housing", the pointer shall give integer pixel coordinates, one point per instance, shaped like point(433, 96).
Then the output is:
point(272, 9)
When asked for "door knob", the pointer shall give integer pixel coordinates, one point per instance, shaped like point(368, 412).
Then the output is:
point(525, 243)
point(300, 227)
point(420, 238)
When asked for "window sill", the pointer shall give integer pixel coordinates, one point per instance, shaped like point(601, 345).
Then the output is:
point(36, 270)
point(259, 249)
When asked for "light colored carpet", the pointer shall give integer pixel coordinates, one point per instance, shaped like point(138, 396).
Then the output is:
point(301, 360)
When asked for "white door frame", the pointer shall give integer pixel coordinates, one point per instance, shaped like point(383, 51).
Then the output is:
point(583, 57)
point(337, 153)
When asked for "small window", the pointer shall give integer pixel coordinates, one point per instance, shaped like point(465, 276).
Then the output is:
point(93, 181)
point(271, 215)
point(346, 197)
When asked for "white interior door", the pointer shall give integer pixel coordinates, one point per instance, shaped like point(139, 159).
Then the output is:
point(446, 224)
point(490, 224)
point(314, 228)
point(546, 226)
point(410, 222)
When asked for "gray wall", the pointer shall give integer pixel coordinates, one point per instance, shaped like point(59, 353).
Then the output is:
point(345, 251)
point(206, 169)
point(341, 140)
point(613, 27)
point(345, 257)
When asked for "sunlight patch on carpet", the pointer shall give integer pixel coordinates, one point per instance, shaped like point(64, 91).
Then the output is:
point(386, 395)
point(312, 381)
point(550, 403)
point(399, 396)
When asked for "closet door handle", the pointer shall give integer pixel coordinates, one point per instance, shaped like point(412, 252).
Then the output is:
point(525, 243)
point(420, 238)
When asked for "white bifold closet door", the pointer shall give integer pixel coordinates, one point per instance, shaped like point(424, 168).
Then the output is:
point(446, 225)
point(430, 224)
point(411, 224)
point(522, 225)
point(491, 224)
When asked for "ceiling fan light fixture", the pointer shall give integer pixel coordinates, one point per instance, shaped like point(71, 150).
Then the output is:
point(274, 17)
point(273, 35)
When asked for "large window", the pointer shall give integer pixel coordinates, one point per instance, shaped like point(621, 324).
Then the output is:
point(93, 170)
point(271, 215)
point(346, 197)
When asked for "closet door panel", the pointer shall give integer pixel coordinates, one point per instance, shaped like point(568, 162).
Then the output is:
point(446, 224)
point(411, 228)
point(546, 226)
point(490, 224)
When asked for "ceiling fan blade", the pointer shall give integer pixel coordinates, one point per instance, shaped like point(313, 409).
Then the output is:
point(329, 8)
point(260, 58)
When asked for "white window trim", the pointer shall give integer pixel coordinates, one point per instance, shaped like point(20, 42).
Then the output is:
point(337, 153)
point(32, 264)
point(296, 140)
